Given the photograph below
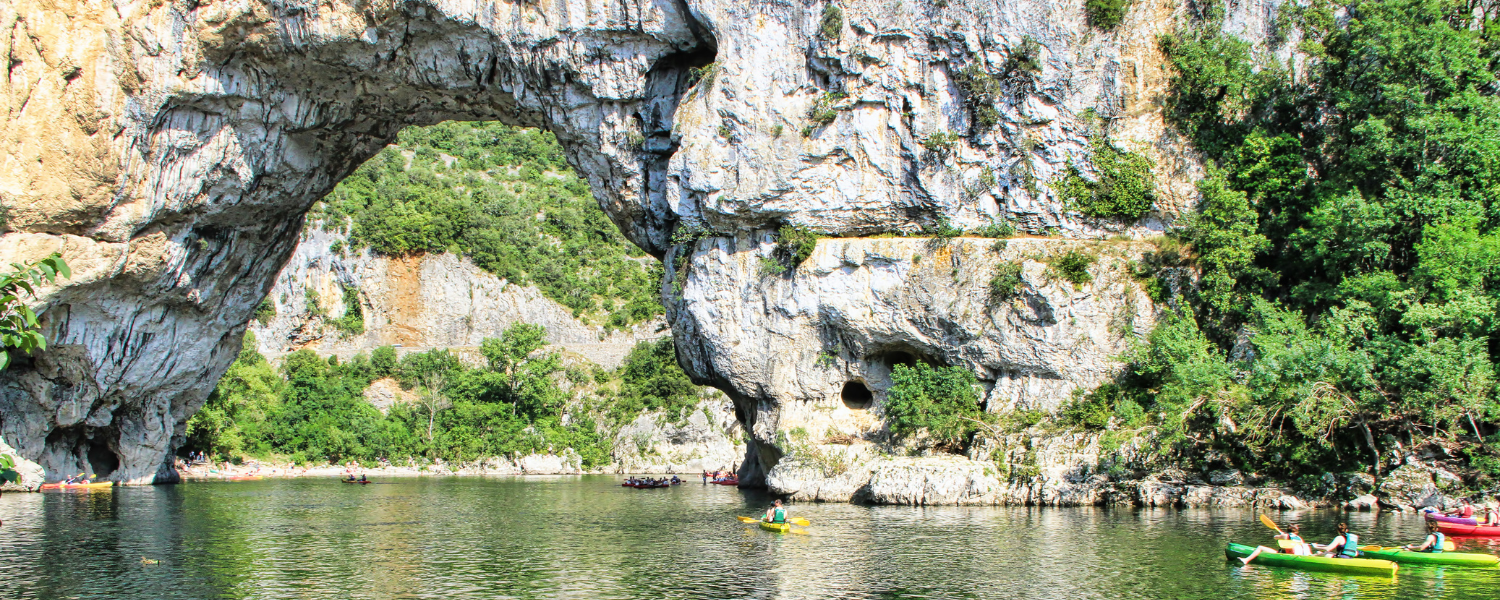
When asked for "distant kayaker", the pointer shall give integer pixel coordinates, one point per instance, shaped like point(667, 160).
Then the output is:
point(1344, 545)
point(1298, 546)
point(1464, 510)
point(1434, 541)
point(775, 514)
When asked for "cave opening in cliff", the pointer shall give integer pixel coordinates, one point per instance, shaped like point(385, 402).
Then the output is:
point(101, 459)
point(856, 395)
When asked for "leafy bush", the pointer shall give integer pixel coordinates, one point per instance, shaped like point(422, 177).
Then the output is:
point(8, 472)
point(19, 328)
point(1125, 189)
point(352, 322)
point(1006, 283)
point(940, 144)
point(652, 380)
point(998, 230)
point(1106, 14)
point(1073, 266)
point(264, 312)
point(944, 401)
point(825, 110)
point(832, 24)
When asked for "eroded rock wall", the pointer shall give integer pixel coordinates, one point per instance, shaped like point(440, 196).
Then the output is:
point(417, 303)
point(170, 149)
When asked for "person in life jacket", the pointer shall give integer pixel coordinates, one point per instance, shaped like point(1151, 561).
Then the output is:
point(1434, 541)
point(1464, 510)
point(1298, 547)
point(775, 514)
point(1344, 545)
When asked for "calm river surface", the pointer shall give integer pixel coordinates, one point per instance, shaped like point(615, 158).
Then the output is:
point(587, 537)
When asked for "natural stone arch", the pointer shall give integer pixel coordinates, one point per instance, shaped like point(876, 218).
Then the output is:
point(171, 149)
point(222, 123)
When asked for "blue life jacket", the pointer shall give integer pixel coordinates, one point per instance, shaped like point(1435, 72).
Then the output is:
point(1351, 546)
point(1438, 546)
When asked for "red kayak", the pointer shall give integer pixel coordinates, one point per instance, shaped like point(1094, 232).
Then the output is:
point(727, 481)
point(1451, 520)
point(1451, 529)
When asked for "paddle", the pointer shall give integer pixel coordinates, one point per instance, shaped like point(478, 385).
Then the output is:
point(795, 521)
point(1264, 520)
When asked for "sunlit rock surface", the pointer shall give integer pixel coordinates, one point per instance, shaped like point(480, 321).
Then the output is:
point(170, 150)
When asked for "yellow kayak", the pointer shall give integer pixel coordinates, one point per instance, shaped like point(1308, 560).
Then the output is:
point(77, 486)
point(776, 527)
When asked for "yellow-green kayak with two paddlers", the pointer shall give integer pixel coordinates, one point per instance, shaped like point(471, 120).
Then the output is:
point(1357, 566)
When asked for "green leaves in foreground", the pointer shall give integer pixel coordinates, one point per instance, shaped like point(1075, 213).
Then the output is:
point(944, 401)
point(18, 324)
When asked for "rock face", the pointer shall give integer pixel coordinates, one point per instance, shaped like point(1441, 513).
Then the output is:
point(709, 439)
point(170, 150)
point(417, 303)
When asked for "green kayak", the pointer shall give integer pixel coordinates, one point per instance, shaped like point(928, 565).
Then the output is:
point(1358, 566)
point(776, 527)
point(1431, 558)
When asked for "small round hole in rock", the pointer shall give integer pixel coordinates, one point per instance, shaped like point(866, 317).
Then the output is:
point(856, 395)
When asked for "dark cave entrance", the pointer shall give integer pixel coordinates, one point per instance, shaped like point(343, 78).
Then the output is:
point(857, 396)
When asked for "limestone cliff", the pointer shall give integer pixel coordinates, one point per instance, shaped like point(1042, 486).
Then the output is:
point(170, 150)
point(417, 303)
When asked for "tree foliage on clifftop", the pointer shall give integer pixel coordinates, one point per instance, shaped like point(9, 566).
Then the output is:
point(506, 198)
point(1347, 239)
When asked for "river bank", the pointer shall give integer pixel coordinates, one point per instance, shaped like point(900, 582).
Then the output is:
point(544, 464)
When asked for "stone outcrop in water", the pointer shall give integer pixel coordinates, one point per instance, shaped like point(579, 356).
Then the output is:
point(170, 150)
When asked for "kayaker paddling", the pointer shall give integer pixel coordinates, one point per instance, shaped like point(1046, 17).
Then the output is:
point(775, 514)
point(1298, 546)
point(1434, 541)
point(1465, 510)
point(1344, 545)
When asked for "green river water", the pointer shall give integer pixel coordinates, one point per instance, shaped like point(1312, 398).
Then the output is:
point(587, 537)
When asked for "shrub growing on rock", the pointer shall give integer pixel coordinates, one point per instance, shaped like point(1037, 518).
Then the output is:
point(1106, 14)
point(944, 401)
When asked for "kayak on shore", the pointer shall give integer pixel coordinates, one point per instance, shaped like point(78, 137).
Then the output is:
point(1451, 529)
point(244, 478)
point(1357, 566)
point(1402, 555)
point(78, 486)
